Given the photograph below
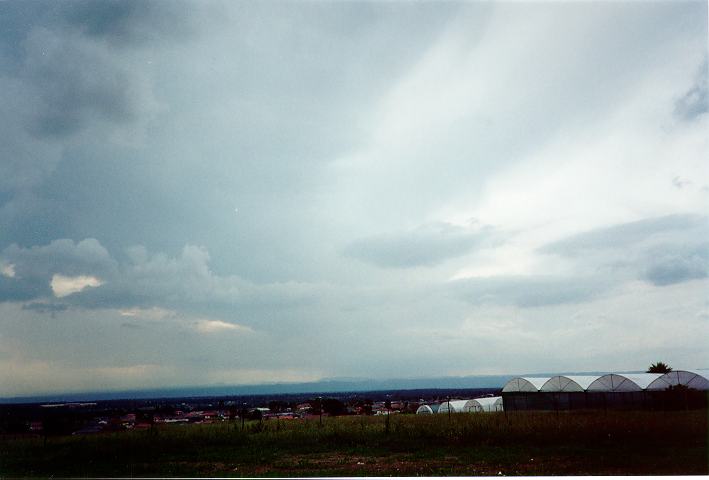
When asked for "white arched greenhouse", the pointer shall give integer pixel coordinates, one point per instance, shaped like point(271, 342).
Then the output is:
point(623, 382)
point(455, 406)
point(525, 384)
point(694, 379)
point(677, 389)
point(427, 409)
point(486, 404)
point(568, 383)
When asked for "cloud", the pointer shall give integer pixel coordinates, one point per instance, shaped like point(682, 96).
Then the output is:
point(80, 68)
point(63, 286)
point(35, 267)
point(132, 123)
point(70, 97)
point(427, 245)
point(680, 265)
point(8, 270)
point(529, 291)
point(153, 313)
point(695, 102)
point(625, 235)
point(662, 250)
point(45, 307)
point(152, 287)
point(217, 326)
point(131, 22)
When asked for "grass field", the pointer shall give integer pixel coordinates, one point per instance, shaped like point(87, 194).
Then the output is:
point(520, 443)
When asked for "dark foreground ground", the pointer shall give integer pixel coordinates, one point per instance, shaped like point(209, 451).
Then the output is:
point(522, 443)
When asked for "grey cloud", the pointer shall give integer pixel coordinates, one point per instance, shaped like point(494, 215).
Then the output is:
point(627, 234)
point(183, 282)
point(280, 109)
point(680, 182)
point(529, 291)
point(661, 250)
point(72, 68)
point(680, 265)
point(428, 245)
point(45, 307)
point(35, 266)
point(87, 257)
point(132, 326)
point(79, 81)
point(695, 102)
point(130, 22)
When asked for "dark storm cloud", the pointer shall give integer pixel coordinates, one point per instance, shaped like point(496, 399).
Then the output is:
point(78, 82)
point(33, 268)
point(71, 67)
point(428, 245)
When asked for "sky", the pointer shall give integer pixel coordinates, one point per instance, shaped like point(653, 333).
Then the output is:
point(204, 192)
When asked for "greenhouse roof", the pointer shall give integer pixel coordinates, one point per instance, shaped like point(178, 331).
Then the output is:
point(525, 384)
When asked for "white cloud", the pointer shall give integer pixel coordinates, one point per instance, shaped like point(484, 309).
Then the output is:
point(218, 326)
point(63, 286)
point(7, 270)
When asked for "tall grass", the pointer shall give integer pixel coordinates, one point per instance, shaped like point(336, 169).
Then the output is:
point(116, 453)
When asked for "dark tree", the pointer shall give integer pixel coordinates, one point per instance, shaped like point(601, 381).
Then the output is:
point(333, 407)
point(659, 367)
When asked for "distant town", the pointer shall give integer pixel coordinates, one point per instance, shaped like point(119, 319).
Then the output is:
point(94, 417)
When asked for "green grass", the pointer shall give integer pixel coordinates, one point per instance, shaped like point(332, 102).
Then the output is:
point(466, 444)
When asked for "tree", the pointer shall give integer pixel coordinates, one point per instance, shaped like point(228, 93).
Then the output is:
point(333, 407)
point(659, 367)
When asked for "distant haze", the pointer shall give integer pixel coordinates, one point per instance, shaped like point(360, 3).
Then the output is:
point(247, 193)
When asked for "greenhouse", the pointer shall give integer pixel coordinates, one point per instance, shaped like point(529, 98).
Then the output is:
point(455, 406)
point(486, 404)
point(427, 409)
point(563, 383)
point(679, 389)
point(623, 382)
point(525, 384)
point(694, 379)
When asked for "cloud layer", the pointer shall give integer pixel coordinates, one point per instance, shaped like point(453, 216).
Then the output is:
point(200, 192)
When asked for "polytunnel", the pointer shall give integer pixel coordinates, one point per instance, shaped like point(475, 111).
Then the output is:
point(525, 384)
point(679, 389)
point(568, 383)
point(427, 409)
point(456, 406)
point(694, 379)
point(623, 382)
point(486, 404)
point(522, 393)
